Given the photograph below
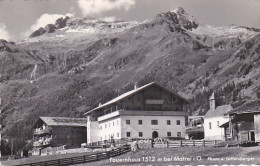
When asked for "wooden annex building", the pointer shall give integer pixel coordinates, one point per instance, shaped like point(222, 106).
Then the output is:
point(244, 122)
point(59, 131)
point(195, 128)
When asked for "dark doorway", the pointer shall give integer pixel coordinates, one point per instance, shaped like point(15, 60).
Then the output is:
point(251, 136)
point(155, 134)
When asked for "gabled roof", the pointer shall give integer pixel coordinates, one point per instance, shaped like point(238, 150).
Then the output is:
point(62, 121)
point(127, 94)
point(249, 107)
point(219, 111)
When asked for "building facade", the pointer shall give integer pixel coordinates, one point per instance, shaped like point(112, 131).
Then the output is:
point(149, 111)
point(214, 118)
point(59, 131)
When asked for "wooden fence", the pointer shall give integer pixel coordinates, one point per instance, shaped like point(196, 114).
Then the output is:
point(179, 143)
point(82, 159)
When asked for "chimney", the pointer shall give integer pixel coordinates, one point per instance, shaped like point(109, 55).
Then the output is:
point(136, 86)
point(212, 102)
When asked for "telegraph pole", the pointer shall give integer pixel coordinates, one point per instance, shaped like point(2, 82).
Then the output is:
point(12, 146)
point(0, 130)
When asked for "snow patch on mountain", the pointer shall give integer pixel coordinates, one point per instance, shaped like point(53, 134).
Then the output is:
point(224, 31)
point(98, 26)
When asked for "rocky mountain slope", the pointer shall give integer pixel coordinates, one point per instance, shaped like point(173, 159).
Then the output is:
point(67, 68)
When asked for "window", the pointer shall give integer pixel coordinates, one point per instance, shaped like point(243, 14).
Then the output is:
point(209, 125)
point(100, 127)
point(154, 122)
point(140, 122)
point(140, 134)
point(173, 100)
point(169, 134)
point(178, 122)
point(217, 123)
point(178, 134)
point(127, 121)
point(117, 134)
point(128, 134)
point(117, 122)
point(105, 125)
point(168, 122)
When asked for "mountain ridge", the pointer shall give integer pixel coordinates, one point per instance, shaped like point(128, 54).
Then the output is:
point(71, 70)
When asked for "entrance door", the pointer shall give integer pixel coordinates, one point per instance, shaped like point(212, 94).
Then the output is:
point(155, 134)
point(251, 136)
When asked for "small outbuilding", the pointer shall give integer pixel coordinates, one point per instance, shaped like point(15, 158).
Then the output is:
point(245, 122)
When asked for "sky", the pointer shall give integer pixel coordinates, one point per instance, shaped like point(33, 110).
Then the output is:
point(19, 18)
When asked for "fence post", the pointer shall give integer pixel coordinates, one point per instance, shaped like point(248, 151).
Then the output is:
point(112, 153)
point(108, 154)
point(181, 142)
point(84, 157)
point(152, 144)
point(193, 142)
point(203, 142)
point(97, 156)
point(167, 142)
point(59, 162)
point(215, 142)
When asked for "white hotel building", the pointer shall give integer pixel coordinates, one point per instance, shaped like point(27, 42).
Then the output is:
point(149, 111)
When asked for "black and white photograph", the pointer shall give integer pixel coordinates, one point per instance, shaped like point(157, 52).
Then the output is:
point(129, 82)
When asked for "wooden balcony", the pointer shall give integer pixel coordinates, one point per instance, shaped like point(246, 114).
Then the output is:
point(140, 113)
point(42, 143)
point(40, 131)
